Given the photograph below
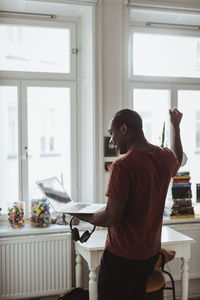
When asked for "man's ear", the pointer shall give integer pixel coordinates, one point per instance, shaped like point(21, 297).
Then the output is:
point(124, 129)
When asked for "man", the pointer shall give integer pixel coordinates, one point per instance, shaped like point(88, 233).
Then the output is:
point(136, 194)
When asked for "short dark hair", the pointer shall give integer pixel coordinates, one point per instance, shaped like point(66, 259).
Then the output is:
point(130, 118)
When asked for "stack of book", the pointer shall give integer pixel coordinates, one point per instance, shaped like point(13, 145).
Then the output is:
point(182, 194)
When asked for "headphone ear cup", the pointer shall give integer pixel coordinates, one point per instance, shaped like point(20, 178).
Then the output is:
point(75, 234)
point(85, 236)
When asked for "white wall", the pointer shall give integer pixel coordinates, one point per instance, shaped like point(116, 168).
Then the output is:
point(112, 58)
point(112, 68)
point(86, 107)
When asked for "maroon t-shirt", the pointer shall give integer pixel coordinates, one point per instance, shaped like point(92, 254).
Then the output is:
point(141, 177)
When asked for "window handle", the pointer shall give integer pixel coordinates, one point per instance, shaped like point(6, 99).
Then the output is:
point(26, 152)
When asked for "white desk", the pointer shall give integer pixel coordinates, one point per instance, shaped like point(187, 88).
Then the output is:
point(93, 249)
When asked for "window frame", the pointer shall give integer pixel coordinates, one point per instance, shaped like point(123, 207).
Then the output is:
point(24, 130)
point(159, 82)
point(44, 75)
point(23, 79)
point(160, 31)
point(16, 83)
point(173, 84)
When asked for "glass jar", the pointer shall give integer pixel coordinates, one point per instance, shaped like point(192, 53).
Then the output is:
point(16, 214)
point(40, 215)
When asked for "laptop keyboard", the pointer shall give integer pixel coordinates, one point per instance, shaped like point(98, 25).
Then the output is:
point(78, 207)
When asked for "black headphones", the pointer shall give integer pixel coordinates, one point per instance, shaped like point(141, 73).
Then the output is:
point(76, 236)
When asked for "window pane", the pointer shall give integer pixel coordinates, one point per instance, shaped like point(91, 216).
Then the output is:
point(198, 135)
point(9, 177)
point(37, 49)
point(164, 55)
point(49, 138)
point(189, 105)
point(153, 106)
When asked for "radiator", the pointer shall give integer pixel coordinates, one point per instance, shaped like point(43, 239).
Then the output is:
point(32, 266)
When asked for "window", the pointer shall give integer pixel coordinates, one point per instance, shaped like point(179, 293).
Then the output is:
point(47, 129)
point(165, 73)
point(36, 49)
point(198, 130)
point(165, 55)
point(147, 121)
point(51, 108)
point(153, 106)
point(51, 60)
point(42, 144)
point(38, 117)
point(189, 104)
point(9, 162)
point(12, 131)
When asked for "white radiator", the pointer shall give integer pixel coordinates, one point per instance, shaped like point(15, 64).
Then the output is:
point(35, 265)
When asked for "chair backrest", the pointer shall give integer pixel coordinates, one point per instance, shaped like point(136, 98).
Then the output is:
point(156, 281)
point(164, 257)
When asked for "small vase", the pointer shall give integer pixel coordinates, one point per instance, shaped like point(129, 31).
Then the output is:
point(16, 214)
point(40, 215)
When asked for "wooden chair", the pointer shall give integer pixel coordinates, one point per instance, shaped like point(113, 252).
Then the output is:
point(156, 281)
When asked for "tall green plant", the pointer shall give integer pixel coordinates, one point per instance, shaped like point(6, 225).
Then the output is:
point(163, 136)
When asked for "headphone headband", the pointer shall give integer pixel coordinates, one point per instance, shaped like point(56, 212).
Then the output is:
point(75, 233)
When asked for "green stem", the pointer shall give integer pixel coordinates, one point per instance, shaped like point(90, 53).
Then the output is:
point(163, 135)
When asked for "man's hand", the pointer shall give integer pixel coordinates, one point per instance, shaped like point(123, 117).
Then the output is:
point(110, 216)
point(175, 117)
point(83, 217)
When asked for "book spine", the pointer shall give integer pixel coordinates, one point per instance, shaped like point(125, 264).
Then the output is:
point(181, 216)
point(181, 177)
point(198, 192)
point(181, 185)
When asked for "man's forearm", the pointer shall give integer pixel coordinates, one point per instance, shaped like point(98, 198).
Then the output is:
point(98, 219)
point(176, 143)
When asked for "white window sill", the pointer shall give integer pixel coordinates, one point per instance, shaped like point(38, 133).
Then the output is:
point(6, 230)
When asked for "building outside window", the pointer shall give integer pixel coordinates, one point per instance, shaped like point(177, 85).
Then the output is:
point(47, 121)
point(198, 131)
point(12, 132)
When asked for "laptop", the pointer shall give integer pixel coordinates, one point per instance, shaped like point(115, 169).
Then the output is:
point(60, 201)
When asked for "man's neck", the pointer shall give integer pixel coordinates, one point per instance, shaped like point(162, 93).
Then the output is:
point(140, 144)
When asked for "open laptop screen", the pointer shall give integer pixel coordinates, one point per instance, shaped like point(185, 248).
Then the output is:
point(54, 191)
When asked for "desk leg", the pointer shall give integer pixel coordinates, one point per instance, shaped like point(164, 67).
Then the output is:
point(184, 279)
point(93, 284)
point(78, 269)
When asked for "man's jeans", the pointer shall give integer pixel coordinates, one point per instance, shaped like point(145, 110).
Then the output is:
point(123, 279)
